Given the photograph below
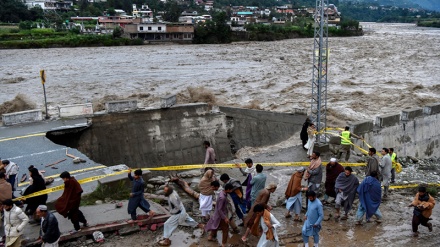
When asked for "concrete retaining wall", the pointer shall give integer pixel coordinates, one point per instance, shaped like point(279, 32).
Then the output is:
point(120, 106)
point(22, 117)
point(75, 110)
point(414, 135)
point(257, 128)
point(159, 137)
point(174, 136)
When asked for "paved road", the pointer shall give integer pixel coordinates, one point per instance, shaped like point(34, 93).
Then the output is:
point(27, 145)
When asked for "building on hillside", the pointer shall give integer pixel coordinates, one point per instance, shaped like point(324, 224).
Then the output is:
point(284, 9)
point(50, 4)
point(143, 12)
point(161, 32)
point(110, 22)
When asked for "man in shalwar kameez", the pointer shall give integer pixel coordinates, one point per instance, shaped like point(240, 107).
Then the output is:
point(178, 217)
point(137, 196)
point(293, 194)
point(206, 193)
point(314, 216)
point(249, 172)
point(370, 197)
point(346, 188)
point(220, 221)
point(265, 225)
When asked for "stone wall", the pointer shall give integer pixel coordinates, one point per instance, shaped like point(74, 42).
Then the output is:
point(413, 133)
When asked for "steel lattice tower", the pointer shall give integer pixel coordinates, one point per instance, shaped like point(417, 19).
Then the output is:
point(319, 79)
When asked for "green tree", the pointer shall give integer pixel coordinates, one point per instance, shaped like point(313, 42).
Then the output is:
point(13, 11)
point(117, 32)
point(173, 11)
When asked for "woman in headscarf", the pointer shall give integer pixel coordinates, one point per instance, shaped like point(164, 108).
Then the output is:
point(38, 184)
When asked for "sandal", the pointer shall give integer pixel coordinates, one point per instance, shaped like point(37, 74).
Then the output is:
point(165, 242)
point(345, 217)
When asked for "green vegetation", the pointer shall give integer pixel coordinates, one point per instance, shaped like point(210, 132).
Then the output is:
point(429, 23)
point(213, 32)
point(115, 192)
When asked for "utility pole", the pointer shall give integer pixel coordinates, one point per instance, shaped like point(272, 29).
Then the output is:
point(319, 79)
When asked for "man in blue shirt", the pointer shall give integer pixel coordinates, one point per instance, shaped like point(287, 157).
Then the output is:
point(313, 219)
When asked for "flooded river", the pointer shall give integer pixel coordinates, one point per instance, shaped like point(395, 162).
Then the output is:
point(393, 66)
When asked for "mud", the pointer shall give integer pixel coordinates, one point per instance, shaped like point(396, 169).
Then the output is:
point(394, 231)
point(392, 67)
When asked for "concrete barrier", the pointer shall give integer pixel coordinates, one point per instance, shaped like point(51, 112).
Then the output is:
point(75, 110)
point(168, 101)
point(411, 114)
point(432, 109)
point(120, 106)
point(22, 117)
point(361, 127)
point(388, 120)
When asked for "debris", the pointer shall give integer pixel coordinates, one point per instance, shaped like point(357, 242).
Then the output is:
point(98, 237)
point(59, 161)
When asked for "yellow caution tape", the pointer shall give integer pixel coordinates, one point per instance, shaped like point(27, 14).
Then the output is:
point(71, 172)
point(405, 186)
point(165, 168)
point(20, 137)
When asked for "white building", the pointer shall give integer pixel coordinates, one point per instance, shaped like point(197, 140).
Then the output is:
point(50, 4)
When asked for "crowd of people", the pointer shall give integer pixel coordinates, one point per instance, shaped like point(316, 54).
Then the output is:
point(223, 201)
point(36, 212)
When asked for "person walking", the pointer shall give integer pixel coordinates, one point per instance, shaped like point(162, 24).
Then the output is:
point(258, 183)
point(423, 204)
point(293, 194)
point(249, 172)
point(137, 199)
point(346, 188)
point(385, 170)
point(303, 134)
point(313, 174)
point(5, 189)
point(265, 225)
point(311, 139)
point(373, 162)
point(262, 198)
point(220, 220)
point(178, 217)
point(236, 195)
point(332, 171)
point(68, 204)
point(393, 157)
point(370, 197)
point(49, 230)
point(210, 153)
point(346, 143)
point(313, 218)
point(15, 221)
point(206, 193)
point(38, 184)
point(11, 172)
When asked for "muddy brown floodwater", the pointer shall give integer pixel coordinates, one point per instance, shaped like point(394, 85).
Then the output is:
point(391, 67)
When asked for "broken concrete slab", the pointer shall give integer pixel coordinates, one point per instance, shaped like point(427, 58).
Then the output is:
point(387, 120)
point(21, 117)
point(121, 105)
point(361, 127)
point(432, 109)
point(411, 114)
point(168, 101)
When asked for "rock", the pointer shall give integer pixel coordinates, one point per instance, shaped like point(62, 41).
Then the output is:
point(280, 202)
point(413, 159)
point(161, 187)
point(150, 186)
point(160, 192)
point(157, 181)
point(281, 58)
point(98, 202)
point(89, 241)
point(107, 200)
